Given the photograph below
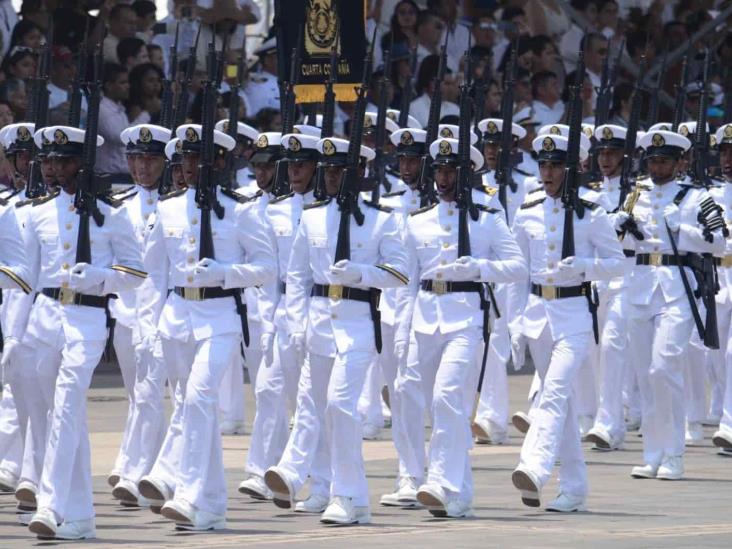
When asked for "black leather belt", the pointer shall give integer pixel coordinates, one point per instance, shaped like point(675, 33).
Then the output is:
point(201, 294)
point(558, 292)
point(659, 260)
point(66, 296)
point(283, 287)
point(370, 296)
point(441, 287)
point(629, 253)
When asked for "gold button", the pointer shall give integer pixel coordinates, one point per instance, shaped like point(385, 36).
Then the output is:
point(550, 280)
point(191, 260)
point(189, 279)
point(450, 212)
point(69, 226)
point(655, 248)
point(438, 275)
point(655, 235)
point(150, 201)
point(359, 245)
point(194, 221)
point(426, 243)
point(213, 233)
point(555, 210)
point(443, 262)
point(655, 206)
point(67, 246)
point(414, 200)
point(552, 246)
point(334, 316)
point(192, 239)
point(659, 194)
point(552, 228)
point(448, 228)
point(65, 266)
point(445, 244)
point(550, 265)
point(71, 207)
point(64, 284)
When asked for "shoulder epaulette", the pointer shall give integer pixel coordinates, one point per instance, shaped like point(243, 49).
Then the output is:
point(110, 200)
point(47, 198)
point(381, 207)
point(13, 192)
point(116, 194)
point(394, 193)
point(173, 194)
point(240, 198)
point(484, 208)
point(490, 191)
point(587, 204)
point(316, 204)
point(3, 202)
point(281, 198)
point(527, 205)
point(594, 185)
point(536, 190)
point(257, 79)
point(523, 172)
point(122, 198)
point(392, 171)
point(422, 210)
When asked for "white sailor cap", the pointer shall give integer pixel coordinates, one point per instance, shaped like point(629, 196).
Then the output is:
point(307, 129)
point(588, 130)
point(371, 119)
point(67, 141)
point(334, 151)
point(174, 150)
point(412, 122)
point(18, 137)
point(525, 117)
point(266, 47)
point(724, 134)
point(553, 148)
point(300, 146)
point(190, 135)
point(146, 138)
point(491, 128)
point(409, 141)
point(664, 143)
point(243, 130)
point(563, 130)
point(445, 151)
point(42, 141)
point(267, 147)
point(661, 126)
point(452, 131)
point(610, 136)
point(688, 129)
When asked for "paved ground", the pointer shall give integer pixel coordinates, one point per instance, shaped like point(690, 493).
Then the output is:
point(623, 512)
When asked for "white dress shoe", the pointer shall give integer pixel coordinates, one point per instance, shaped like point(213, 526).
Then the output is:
point(77, 529)
point(711, 421)
point(672, 468)
point(725, 452)
point(565, 503)
point(179, 511)
point(528, 485)
point(601, 440)
point(694, 435)
point(722, 440)
point(404, 496)
point(8, 481)
point(433, 497)
point(44, 524)
point(486, 432)
point(283, 495)
point(155, 491)
point(314, 504)
point(129, 495)
point(369, 431)
point(648, 470)
point(187, 517)
point(255, 488)
point(459, 509)
point(229, 427)
point(26, 492)
point(113, 478)
point(586, 422)
point(521, 421)
point(341, 510)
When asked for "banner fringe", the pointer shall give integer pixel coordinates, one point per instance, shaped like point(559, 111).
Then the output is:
point(315, 93)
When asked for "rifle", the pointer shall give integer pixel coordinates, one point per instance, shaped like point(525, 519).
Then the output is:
point(39, 109)
point(206, 189)
point(653, 107)
point(504, 179)
point(679, 110)
point(380, 161)
point(181, 107)
point(464, 188)
point(426, 183)
point(329, 102)
point(350, 186)
point(167, 111)
point(728, 93)
point(408, 91)
point(570, 190)
point(74, 118)
point(86, 196)
point(630, 138)
point(700, 151)
point(233, 128)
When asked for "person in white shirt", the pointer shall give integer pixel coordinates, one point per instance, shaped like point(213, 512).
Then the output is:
point(547, 104)
point(420, 107)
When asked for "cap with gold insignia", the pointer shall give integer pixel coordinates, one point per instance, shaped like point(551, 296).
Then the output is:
point(553, 148)
point(334, 151)
point(563, 130)
point(451, 131)
point(409, 141)
point(18, 137)
point(610, 136)
point(445, 151)
point(525, 117)
point(267, 147)
point(491, 128)
point(43, 143)
point(124, 136)
point(370, 119)
point(244, 132)
point(173, 151)
point(67, 141)
point(662, 126)
point(300, 146)
point(307, 129)
point(724, 135)
point(412, 122)
point(190, 135)
point(147, 139)
point(588, 130)
point(664, 143)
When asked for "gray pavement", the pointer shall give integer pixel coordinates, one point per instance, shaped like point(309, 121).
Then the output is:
point(623, 512)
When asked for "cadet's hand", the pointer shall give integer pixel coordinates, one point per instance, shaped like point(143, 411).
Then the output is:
point(10, 344)
point(344, 272)
point(518, 351)
point(572, 266)
point(84, 276)
point(672, 215)
point(145, 345)
point(466, 268)
point(209, 271)
point(400, 351)
point(618, 220)
point(265, 342)
point(297, 341)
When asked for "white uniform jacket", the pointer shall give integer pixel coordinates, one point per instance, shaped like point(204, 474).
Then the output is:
point(15, 277)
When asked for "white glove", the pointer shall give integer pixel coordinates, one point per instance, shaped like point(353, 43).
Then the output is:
point(84, 276)
point(209, 272)
point(344, 272)
point(518, 351)
point(672, 215)
point(572, 266)
point(265, 342)
point(10, 344)
point(145, 345)
point(297, 341)
point(467, 268)
point(400, 351)
point(618, 219)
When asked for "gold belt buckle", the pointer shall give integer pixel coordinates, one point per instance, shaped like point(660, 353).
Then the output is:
point(439, 287)
point(66, 296)
point(335, 291)
point(727, 261)
point(655, 259)
point(549, 292)
point(192, 294)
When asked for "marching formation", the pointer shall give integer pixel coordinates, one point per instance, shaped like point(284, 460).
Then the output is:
point(419, 260)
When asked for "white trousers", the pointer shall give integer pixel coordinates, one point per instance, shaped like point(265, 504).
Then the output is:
point(231, 391)
point(725, 424)
point(11, 439)
point(125, 352)
point(369, 402)
point(554, 432)
point(493, 402)
point(659, 333)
